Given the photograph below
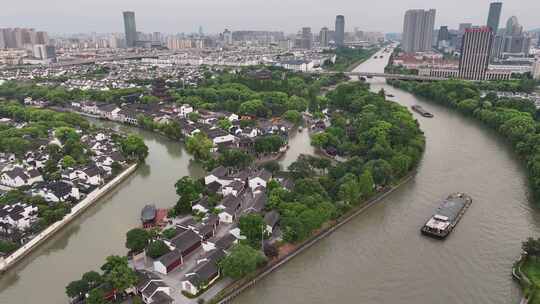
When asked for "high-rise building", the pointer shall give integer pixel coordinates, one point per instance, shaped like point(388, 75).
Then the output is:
point(494, 16)
point(227, 37)
point(340, 30)
point(323, 37)
point(130, 29)
point(418, 30)
point(513, 28)
point(444, 34)
point(463, 27)
point(536, 69)
point(306, 38)
point(475, 52)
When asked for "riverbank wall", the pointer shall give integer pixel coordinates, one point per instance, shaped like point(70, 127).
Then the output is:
point(78, 209)
point(228, 296)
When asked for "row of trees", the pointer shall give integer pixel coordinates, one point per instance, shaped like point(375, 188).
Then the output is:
point(515, 119)
point(59, 95)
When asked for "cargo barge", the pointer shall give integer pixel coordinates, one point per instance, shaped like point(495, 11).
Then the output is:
point(418, 109)
point(447, 216)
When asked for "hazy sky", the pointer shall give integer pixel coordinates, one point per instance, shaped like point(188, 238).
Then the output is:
point(69, 16)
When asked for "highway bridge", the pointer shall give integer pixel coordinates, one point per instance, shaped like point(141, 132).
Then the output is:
point(391, 76)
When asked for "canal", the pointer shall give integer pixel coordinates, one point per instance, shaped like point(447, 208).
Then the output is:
point(380, 257)
point(84, 244)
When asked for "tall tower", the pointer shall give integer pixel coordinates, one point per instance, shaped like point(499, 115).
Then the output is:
point(475, 52)
point(323, 37)
point(340, 30)
point(130, 29)
point(418, 27)
point(494, 16)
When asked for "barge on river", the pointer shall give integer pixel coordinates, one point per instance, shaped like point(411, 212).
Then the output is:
point(418, 109)
point(447, 216)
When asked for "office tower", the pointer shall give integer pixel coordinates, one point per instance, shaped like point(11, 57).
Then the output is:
point(130, 29)
point(418, 30)
point(494, 16)
point(475, 53)
point(340, 30)
point(323, 37)
point(515, 41)
point(444, 35)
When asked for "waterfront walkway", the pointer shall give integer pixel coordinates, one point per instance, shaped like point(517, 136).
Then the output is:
point(92, 197)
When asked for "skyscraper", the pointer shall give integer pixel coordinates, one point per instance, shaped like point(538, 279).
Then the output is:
point(494, 16)
point(340, 30)
point(418, 30)
point(323, 37)
point(130, 29)
point(475, 52)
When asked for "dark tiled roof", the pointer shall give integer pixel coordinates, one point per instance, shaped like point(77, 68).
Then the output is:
point(186, 240)
point(169, 258)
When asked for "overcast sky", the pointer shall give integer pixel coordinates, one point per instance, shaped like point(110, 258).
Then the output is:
point(171, 16)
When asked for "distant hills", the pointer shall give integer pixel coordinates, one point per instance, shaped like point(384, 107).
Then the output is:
point(535, 30)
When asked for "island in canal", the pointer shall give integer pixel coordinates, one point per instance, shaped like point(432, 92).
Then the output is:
point(248, 216)
point(52, 167)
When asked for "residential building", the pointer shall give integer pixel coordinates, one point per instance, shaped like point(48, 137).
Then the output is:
point(475, 53)
point(418, 30)
point(130, 29)
point(339, 36)
point(536, 69)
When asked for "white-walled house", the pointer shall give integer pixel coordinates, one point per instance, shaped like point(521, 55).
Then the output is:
point(185, 109)
point(16, 177)
point(18, 216)
point(259, 179)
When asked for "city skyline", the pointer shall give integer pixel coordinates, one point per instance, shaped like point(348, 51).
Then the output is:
point(86, 17)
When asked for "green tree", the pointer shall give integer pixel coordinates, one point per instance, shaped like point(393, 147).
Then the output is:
point(137, 239)
point(293, 116)
point(77, 288)
point(96, 296)
point(118, 273)
point(169, 233)
point(349, 191)
point(133, 147)
point(235, 158)
point(92, 278)
point(68, 162)
point(157, 249)
point(252, 227)
point(366, 184)
point(241, 261)
point(199, 146)
point(224, 124)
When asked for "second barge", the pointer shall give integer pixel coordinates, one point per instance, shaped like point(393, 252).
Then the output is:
point(447, 215)
point(421, 111)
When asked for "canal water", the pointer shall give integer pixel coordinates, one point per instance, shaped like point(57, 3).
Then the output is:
point(380, 257)
point(100, 231)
